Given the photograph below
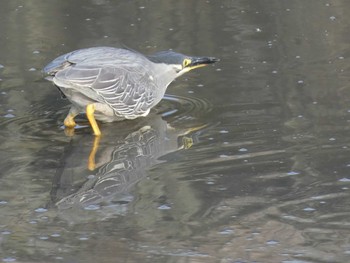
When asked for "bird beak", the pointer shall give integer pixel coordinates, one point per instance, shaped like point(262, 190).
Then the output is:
point(197, 62)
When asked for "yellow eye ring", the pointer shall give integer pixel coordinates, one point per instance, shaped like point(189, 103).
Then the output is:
point(186, 62)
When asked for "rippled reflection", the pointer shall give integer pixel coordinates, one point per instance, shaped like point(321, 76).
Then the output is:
point(264, 178)
point(122, 157)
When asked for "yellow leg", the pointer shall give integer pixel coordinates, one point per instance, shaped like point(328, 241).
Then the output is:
point(91, 161)
point(69, 120)
point(90, 109)
point(187, 142)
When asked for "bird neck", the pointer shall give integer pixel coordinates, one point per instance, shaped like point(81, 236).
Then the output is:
point(165, 74)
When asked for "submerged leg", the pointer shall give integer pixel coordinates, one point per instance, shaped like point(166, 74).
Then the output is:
point(69, 120)
point(187, 141)
point(90, 109)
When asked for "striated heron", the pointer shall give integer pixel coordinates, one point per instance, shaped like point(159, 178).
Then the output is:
point(111, 84)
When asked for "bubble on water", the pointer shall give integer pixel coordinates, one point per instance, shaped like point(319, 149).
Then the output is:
point(332, 18)
point(9, 259)
point(164, 207)
point(309, 209)
point(92, 207)
point(32, 69)
point(332, 139)
point(2, 202)
point(258, 30)
point(293, 173)
point(83, 238)
point(344, 180)
point(223, 131)
point(226, 231)
point(243, 150)
point(40, 210)
point(274, 72)
point(55, 235)
point(272, 242)
point(9, 115)
point(91, 176)
point(43, 237)
point(36, 52)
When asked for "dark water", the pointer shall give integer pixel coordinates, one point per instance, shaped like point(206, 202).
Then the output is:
point(244, 161)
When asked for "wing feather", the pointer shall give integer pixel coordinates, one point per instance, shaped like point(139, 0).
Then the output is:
point(117, 77)
point(127, 90)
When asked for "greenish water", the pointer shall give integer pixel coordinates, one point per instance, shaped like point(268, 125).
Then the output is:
point(244, 161)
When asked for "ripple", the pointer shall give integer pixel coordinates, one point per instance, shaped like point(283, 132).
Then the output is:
point(173, 105)
point(30, 126)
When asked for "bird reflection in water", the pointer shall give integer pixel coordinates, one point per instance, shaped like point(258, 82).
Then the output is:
point(118, 160)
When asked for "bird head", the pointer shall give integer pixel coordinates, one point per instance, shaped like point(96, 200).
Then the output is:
point(180, 63)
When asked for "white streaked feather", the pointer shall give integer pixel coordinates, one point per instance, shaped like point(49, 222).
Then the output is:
point(128, 90)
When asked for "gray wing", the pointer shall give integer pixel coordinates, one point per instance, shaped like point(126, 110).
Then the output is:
point(94, 55)
point(117, 77)
point(129, 91)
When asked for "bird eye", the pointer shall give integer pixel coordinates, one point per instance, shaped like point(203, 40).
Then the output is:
point(186, 62)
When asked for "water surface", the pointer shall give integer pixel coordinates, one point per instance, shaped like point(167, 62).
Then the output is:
point(244, 161)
